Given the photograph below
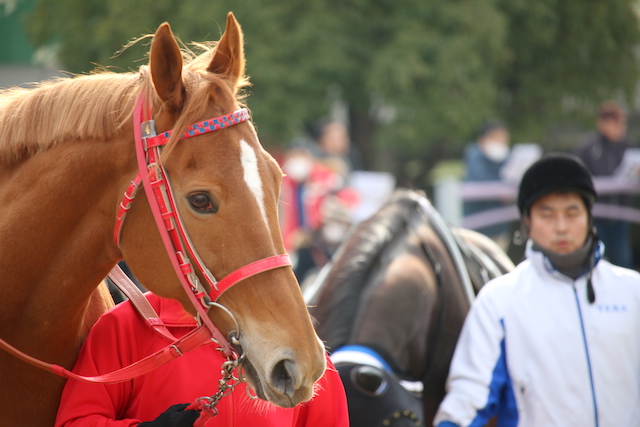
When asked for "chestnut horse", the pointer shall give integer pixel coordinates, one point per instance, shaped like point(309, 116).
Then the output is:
point(391, 304)
point(67, 155)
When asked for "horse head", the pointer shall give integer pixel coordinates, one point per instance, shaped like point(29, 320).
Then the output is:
point(226, 191)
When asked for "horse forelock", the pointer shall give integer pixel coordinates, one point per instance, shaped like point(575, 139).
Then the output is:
point(97, 106)
point(350, 275)
point(199, 87)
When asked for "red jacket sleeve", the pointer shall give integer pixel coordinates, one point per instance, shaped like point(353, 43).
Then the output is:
point(97, 405)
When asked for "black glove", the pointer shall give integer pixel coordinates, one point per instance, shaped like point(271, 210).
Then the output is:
point(175, 416)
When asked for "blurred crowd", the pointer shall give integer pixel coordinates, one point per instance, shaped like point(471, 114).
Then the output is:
point(607, 152)
point(317, 202)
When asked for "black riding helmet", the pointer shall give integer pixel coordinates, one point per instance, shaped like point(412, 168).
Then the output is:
point(560, 173)
point(555, 172)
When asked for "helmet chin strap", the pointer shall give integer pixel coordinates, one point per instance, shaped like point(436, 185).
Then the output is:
point(591, 293)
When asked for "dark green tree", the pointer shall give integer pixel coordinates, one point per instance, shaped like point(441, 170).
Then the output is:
point(567, 57)
point(418, 76)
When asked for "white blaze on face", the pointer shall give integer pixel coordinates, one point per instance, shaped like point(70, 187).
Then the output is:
point(252, 175)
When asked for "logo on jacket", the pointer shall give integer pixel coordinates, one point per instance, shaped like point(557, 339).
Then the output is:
point(612, 308)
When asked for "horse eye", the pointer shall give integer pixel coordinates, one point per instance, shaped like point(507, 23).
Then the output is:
point(202, 203)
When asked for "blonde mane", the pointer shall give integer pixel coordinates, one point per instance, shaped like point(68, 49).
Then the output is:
point(94, 106)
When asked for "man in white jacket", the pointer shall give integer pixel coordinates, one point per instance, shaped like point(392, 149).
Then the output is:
point(556, 342)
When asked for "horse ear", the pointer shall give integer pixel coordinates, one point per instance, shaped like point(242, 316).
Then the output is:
point(165, 63)
point(228, 58)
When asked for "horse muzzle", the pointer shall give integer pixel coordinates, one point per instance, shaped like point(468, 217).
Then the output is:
point(283, 381)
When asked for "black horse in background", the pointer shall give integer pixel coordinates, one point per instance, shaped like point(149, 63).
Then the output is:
point(391, 304)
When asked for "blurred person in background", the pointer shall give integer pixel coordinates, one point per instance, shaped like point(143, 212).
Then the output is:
point(483, 161)
point(602, 151)
point(316, 206)
point(333, 146)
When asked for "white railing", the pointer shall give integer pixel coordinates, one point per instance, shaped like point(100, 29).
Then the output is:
point(450, 194)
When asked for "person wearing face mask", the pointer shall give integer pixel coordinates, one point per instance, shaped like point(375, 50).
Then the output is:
point(556, 341)
point(483, 160)
point(315, 209)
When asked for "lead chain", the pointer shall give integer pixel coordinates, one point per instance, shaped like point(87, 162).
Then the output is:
point(227, 383)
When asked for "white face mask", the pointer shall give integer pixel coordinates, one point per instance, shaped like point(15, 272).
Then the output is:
point(496, 151)
point(298, 168)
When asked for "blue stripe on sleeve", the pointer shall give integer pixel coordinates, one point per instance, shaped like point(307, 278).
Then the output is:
point(501, 400)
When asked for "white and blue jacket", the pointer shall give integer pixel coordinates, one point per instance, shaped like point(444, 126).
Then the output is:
point(534, 352)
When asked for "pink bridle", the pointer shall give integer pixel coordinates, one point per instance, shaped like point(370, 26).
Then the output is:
point(181, 252)
point(174, 236)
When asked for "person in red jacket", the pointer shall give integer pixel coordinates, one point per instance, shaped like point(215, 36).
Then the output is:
point(121, 337)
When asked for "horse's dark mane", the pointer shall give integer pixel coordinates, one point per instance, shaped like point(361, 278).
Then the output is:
point(354, 262)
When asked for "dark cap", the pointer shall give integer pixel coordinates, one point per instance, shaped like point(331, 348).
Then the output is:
point(555, 173)
point(490, 126)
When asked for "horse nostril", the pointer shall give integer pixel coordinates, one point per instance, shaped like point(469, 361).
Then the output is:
point(285, 377)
